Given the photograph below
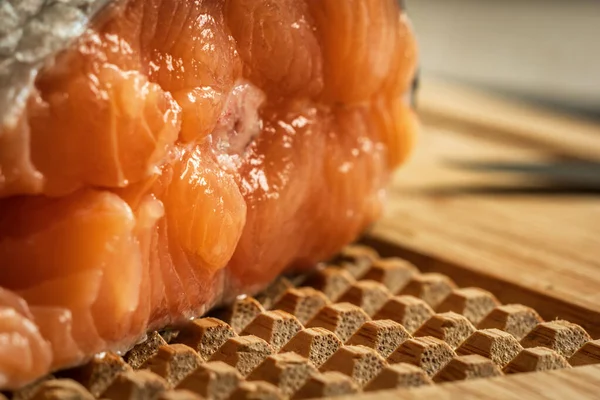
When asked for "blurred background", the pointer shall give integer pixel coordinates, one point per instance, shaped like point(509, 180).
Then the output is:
point(544, 51)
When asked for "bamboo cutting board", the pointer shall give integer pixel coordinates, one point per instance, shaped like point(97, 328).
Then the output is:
point(539, 250)
point(535, 249)
point(580, 383)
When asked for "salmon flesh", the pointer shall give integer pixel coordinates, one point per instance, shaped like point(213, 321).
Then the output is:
point(159, 157)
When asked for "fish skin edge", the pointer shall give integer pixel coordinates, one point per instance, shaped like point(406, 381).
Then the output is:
point(32, 33)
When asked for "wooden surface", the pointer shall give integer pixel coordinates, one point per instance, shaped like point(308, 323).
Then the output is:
point(536, 249)
point(470, 112)
point(578, 383)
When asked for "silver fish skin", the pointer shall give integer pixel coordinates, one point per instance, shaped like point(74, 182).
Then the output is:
point(32, 32)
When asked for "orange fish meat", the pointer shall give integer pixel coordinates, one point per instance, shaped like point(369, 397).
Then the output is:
point(180, 153)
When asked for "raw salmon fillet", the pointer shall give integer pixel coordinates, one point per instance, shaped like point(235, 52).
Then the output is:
point(181, 153)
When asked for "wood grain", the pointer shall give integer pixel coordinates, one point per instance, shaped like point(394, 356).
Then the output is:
point(537, 249)
point(578, 383)
point(473, 112)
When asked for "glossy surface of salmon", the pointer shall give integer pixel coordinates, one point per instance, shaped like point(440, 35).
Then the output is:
point(183, 152)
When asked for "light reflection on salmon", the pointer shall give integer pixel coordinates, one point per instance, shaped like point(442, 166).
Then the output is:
point(183, 152)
